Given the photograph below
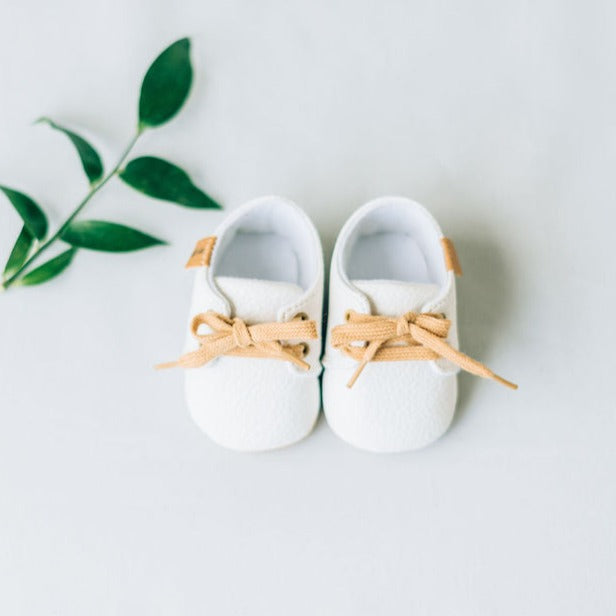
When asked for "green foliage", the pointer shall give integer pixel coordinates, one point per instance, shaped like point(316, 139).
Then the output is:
point(107, 236)
point(166, 85)
point(164, 90)
point(20, 252)
point(162, 180)
point(48, 270)
point(90, 160)
point(33, 216)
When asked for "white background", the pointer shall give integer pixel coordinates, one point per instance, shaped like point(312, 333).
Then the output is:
point(499, 116)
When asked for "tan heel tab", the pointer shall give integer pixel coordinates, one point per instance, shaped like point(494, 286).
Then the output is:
point(202, 254)
point(452, 263)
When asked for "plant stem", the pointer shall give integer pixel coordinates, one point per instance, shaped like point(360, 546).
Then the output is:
point(93, 190)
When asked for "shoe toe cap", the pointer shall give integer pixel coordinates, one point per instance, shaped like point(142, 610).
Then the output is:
point(391, 407)
point(253, 406)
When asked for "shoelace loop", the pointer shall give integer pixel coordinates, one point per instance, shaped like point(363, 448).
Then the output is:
point(419, 336)
point(235, 337)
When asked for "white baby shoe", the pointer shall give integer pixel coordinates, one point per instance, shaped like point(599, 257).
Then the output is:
point(254, 344)
point(392, 305)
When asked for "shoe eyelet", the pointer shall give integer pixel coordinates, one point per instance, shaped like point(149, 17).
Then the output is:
point(305, 348)
point(302, 316)
point(347, 315)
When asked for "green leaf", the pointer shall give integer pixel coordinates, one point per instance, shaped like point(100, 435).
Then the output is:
point(20, 251)
point(166, 85)
point(107, 236)
point(30, 212)
point(48, 270)
point(160, 179)
point(90, 160)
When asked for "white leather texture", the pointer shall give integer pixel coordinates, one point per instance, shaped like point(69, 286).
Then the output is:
point(393, 406)
point(250, 404)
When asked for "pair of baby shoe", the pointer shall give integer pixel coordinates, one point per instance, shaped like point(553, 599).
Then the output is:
point(254, 347)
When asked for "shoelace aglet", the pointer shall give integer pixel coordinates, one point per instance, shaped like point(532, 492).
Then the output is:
point(505, 382)
point(300, 363)
point(356, 374)
point(165, 365)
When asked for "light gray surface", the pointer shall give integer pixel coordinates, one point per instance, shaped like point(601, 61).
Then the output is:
point(498, 116)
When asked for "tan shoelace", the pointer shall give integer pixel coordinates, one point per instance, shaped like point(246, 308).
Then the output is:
point(412, 336)
point(235, 337)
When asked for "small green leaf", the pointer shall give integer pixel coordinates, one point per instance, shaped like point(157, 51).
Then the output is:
point(160, 179)
point(30, 212)
point(166, 85)
point(20, 251)
point(48, 270)
point(107, 236)
point(90, 160)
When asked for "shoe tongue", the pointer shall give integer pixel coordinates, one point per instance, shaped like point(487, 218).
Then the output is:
point(257, 301)
point(393, 297)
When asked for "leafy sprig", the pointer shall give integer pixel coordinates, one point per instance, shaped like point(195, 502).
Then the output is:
point(164, 90)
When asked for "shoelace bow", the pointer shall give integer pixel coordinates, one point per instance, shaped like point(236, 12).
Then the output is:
point(235, 337)
point(412, 336)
